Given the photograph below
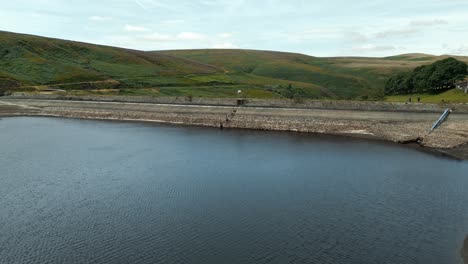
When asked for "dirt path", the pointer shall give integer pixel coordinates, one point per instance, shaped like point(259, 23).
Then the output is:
point(9, 108)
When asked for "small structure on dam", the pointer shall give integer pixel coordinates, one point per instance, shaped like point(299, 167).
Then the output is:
point(240, 98)
point(463, 86)
point(441, 119)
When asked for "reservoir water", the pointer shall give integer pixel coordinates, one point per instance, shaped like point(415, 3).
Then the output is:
point(76, 191)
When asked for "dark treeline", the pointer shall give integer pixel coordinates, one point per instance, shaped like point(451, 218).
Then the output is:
point(439, 76)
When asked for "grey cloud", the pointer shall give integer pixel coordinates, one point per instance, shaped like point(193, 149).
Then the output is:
point(427, 23)
point(462, 49)
point(413, 27)
point(401, 32)
point(356, 36)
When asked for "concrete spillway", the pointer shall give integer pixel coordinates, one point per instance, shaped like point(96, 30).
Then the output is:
point(441, 119)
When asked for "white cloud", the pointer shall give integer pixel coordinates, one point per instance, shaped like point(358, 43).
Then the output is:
point(209, 3)
point(374, 48)
point(149, 5)
point(428, 22)
point(157, 37)
point(190, 36)
point(462, 49)
point(182, 40)
point(225, 45)
point(225, 35)
point(306, 36)
point(173, 21)
point(142, 5)
point(183, 36)
point(356, 36)
point(411, 28)
point(398, 32)
point(320, 33)
point(99, 18)
point(130, 28)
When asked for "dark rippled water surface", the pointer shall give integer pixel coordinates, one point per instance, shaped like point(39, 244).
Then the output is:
point(76, 191)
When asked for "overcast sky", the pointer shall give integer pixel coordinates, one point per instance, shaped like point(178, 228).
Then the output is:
point(314, 27)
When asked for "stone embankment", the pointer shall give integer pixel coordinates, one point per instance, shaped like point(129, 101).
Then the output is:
point(393, 122)
point(270, 103)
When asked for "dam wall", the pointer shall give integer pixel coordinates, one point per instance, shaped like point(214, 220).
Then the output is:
point(271, 103)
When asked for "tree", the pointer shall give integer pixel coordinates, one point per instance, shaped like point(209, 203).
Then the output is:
point(400, 83)
point(446, 73)
point(289, 93)
point(293, 92)
point(420, 78)
point(441, 75)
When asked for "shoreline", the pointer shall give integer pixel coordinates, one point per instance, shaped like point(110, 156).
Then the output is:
point(458, 153)
point(408, 128)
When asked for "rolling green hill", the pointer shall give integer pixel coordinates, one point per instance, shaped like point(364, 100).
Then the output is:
point(36, 62)
point(31, 60)
point(33, 63)
point(343, 77)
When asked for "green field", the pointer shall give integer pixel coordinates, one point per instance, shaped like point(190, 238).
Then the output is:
point(451, 96)
point(342, 78)
point(32, 64)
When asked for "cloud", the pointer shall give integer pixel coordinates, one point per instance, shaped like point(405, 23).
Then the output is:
point(225, 35)
point(99, 18)
point(140, 4)
point(151, 4)
point(399, 32)
point(209, 3)
point(186, 40)
point(183, 36)
point(411, 28)
point(356, 36)
point(190, 36)
point(130, 28)
point(173, 21)
point(320, 33)
point(427, 22)
point(157, 37)
point(225, 45)
point(308, 35)
point(462, 49)
point(374, 48)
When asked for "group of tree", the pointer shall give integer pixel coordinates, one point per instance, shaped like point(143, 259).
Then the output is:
point(437, 77)
point(293, 92)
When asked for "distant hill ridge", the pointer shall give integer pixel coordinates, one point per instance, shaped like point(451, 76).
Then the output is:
point(27, 60)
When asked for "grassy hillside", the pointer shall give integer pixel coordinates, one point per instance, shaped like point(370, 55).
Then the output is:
point(346, 77)
point(451, 96)
point(39, 63)
point(31, 60)
point(34, 64)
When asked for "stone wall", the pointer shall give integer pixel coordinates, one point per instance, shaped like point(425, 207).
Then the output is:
point(274, 103)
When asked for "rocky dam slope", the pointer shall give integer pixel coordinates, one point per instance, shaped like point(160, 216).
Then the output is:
point(397, 123)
